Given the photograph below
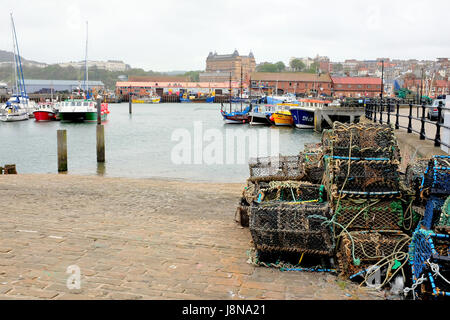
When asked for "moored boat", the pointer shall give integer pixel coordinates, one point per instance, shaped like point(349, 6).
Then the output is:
point(236, 117)
point(260, 115)
point(45, 111)
point(147, 99)
point(79, 110)
point(303, 114)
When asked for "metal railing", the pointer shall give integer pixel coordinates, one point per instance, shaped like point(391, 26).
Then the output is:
point(376, 111)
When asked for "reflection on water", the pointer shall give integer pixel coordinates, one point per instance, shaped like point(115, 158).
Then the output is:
point(138, 145)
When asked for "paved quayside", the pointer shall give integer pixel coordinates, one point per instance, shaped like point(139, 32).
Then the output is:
point(137, 239)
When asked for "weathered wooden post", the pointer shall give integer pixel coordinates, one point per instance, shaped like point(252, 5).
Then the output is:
point(318, 120)
point(100, 143)
point(62, 150)
point(100, 134)
point(130, 102)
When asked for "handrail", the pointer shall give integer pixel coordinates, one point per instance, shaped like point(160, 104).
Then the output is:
point(391, 107)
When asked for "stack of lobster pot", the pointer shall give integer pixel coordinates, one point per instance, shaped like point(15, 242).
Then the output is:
point(429, 251)
point(363, 183)
point(286, 214)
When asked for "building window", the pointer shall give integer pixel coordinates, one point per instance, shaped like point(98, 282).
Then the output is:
point(339, 85)
point(349, 86)
point(359, 86)
point(290, 84)
point(368, 86)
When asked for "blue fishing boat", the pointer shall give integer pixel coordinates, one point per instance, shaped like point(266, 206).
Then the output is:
point(303, 114)
point(236, 117)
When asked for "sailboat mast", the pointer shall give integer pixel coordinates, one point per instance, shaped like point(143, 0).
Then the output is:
point(85, 62)
point(241, 88)
point(230, 92)
point(16, 75)
point(23, 92)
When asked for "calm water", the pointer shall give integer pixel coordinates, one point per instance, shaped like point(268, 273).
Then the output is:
point(138, 145)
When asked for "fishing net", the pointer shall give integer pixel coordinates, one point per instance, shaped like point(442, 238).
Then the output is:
point(313, 148)
point(313, 166)
point(367, 249)
point(368, 214)
point(291, 191)
point(437, 175)
point(362, 176)
point(276, 168)
point(363, 140)
point(428, 248)
point(444, 221)
point(284, 226)
point(433, 211)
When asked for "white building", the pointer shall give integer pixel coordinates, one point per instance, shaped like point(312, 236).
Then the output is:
point(110, 65)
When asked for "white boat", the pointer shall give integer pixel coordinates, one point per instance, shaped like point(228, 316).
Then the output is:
point(18, 107)
point(276, 99)
point(303, 114)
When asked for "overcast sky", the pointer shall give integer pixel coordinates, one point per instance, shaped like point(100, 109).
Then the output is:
point(167, 35)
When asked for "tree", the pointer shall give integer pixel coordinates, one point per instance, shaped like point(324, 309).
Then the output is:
point(267, 67)
point(313, 68)
point(297, 65)
point(338, 67)
point(280, 66)
point(194, 76)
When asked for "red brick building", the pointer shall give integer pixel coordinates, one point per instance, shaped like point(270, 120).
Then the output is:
point(292, 82)
point(437, 88)
point(356, 87)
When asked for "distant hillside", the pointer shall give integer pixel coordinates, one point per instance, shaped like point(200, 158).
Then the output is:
point(7, 56)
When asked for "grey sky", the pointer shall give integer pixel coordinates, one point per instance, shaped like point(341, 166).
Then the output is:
point(169, 35)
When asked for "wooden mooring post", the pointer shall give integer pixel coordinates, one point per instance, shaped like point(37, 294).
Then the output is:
point(130, 102)
point(62, 150)
point(100, 134)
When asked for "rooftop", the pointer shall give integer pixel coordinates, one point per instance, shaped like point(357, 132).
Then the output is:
point(61, 82)
point(356, 80)
point(290, 76)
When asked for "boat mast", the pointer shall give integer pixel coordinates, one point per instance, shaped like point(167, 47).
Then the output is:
point(86, 64)
point(18, 61)
point(230, 92)
point(241, 88)
point(14, 62)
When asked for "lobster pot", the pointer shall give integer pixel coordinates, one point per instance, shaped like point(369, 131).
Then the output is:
point(291, 227)
point(276, 168)
point(444, 221)
point(313, 166)
point(364, 140)
point(365, 176)
point(291, 191)
point(433, 247)
point(414, 174)
point(437, 176)
point(369, 247)
point(313, 148)
point(368, 214)
point(433, 211)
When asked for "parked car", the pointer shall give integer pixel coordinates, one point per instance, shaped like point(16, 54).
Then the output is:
point(433, 109)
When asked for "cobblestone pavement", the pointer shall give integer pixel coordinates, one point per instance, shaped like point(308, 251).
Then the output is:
point(137, 239)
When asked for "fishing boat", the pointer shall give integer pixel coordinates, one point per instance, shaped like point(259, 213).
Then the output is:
point(85, 107)
point(45, 111)
point(276, 99)
point(303, 114)
point(18, 107)
point(80, 110)
point(260, 115)
point(147, 99)
point(282, 116)
point(236, 117)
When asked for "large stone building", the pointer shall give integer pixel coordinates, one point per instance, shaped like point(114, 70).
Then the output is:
point(219, 66)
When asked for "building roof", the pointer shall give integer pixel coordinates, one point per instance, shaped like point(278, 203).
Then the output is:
point(356, 80)
point(157, 78)
point(33, 82)
point(290, 76)
point(201, 85)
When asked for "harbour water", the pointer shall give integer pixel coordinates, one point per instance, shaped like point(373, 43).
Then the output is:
point(138, 145)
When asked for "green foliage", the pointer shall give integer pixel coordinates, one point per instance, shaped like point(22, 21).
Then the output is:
point(271, 67)
point(313, 68)
point(297, 65)
point(338, 67)
point(194, 76)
